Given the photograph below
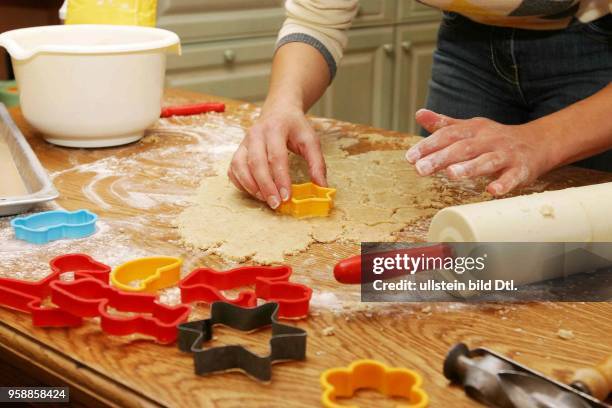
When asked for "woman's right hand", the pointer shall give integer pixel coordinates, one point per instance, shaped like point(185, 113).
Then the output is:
point(260, 165)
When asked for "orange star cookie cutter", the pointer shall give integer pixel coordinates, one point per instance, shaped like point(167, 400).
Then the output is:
point(308, 200)
point(152, 273)
point(371, 374)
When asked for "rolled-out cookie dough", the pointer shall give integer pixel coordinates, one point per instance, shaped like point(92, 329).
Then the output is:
point(378, 195)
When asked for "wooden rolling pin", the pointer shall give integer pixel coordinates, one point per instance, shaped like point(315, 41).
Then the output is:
point(596, 381)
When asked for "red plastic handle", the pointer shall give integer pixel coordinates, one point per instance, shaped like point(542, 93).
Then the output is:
point(349, 270)
point(195, 109)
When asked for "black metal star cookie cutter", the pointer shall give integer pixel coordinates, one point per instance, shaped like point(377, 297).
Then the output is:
point(287, 342)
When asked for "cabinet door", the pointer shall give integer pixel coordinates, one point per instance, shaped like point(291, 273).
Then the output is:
point(415, 44)
point(237, 69)
point(362, 91)
point(375, 12)
point(197, 21)
point(413, 11)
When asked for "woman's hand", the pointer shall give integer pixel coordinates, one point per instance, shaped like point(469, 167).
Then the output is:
point(260, 165)
point(516, 155)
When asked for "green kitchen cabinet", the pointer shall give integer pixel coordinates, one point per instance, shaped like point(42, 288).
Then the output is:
point(211, 20)
point(237, 69)
point(240, 69)
point(375, 13)
point(414, 12)
point(415, 44)
point(362, 89)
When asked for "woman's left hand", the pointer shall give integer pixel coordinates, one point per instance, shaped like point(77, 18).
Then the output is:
point(480, 147)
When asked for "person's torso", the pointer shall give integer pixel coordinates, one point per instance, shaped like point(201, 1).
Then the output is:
point(529, 14)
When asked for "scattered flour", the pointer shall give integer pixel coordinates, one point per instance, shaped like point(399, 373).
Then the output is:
point(325, 301)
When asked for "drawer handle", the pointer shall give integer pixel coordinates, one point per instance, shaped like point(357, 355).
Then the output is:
point(229, 56)
point(406, 45)
point(388, 48)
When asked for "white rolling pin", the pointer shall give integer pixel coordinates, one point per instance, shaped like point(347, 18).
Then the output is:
point(575, 216)
point(579, 214)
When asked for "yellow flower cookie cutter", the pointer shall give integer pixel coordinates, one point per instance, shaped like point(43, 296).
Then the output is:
point(390, 381)
point(308, 200)
point(153, 273)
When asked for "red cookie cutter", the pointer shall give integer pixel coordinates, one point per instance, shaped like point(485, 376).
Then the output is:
point(92, 298)
point(27, 296)
point(89, 295)
point(293, 298)
point(80, 264)
point(271, 283)
point(41, 315)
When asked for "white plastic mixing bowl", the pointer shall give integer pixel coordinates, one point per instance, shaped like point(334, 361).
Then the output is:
point(90, 85)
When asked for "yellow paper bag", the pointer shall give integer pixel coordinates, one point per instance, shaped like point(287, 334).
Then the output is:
point(118, 12)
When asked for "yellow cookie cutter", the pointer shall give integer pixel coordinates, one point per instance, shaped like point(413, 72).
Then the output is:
point(154, 273)
point(308, 200)
point(390, 381)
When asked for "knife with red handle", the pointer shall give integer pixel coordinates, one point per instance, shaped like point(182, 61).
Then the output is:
point(194, 109)
point(349, 270)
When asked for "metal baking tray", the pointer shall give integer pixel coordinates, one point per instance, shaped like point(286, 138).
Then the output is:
point(34, 176)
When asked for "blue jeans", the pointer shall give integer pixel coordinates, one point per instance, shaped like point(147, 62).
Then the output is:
point(514, 76)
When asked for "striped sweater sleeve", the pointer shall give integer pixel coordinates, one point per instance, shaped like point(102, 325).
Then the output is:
point(321, 24)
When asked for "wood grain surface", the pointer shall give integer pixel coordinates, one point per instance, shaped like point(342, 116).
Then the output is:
point(137, 372)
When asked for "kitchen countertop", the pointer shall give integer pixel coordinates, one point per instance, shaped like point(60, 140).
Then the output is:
point(139, 189)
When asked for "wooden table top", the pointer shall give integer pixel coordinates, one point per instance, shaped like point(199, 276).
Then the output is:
point(138, 189)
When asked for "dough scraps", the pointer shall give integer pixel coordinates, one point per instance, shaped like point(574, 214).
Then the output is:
point(378, 195)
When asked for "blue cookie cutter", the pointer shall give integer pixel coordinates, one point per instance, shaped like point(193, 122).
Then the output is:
point(44, 227)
